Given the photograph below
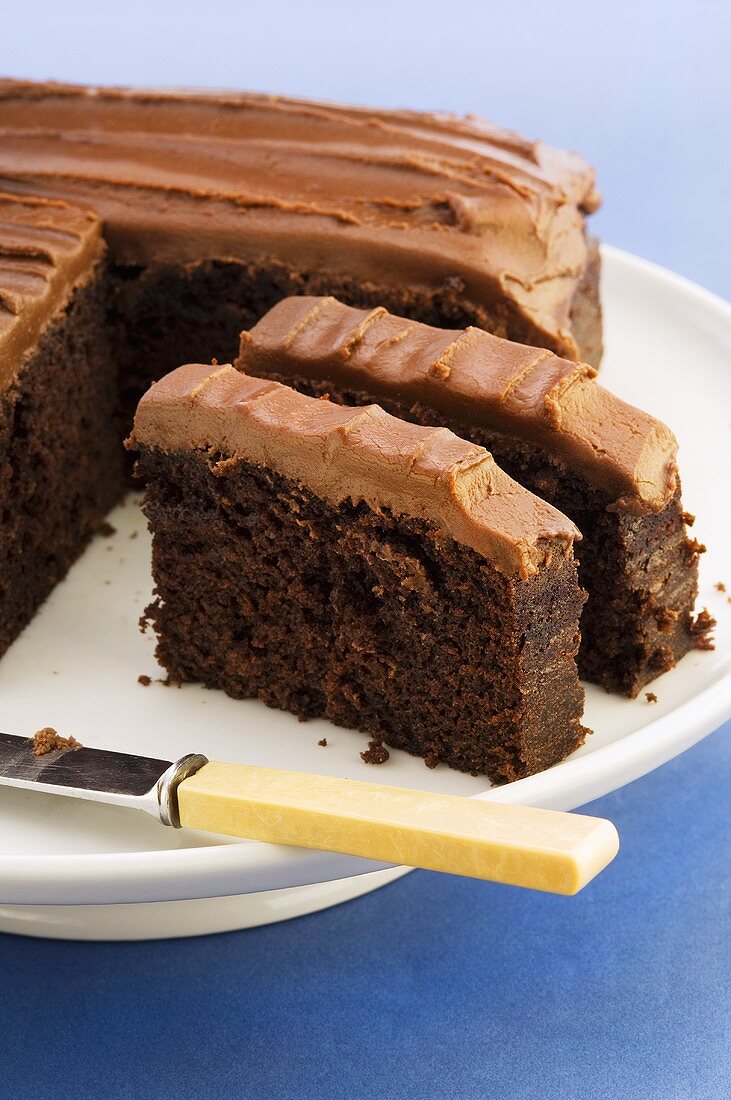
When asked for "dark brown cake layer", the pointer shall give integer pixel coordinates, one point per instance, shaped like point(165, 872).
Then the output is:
point(375, 621)
point(407, 208)
point(60, 453)
point(608, 466)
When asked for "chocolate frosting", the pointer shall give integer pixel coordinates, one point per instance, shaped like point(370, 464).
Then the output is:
point(46, 249)
point(355, 454)
point(397, 198)
point(471, 376)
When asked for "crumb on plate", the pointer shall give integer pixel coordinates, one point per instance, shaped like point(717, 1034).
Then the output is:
point(702, 630)
point(376, 753)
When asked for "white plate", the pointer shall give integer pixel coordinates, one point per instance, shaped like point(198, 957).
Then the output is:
point(65, 867)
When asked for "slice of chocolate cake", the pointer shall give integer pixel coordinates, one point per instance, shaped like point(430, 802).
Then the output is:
point(216, 205)
point(60, 453)
point(607, 465)
point(339, 562)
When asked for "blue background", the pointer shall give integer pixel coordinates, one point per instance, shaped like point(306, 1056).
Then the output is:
point(434, 987)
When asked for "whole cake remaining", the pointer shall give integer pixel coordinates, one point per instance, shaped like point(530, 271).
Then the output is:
point(217, 205)
point(60, 455)
point(552, 427)
point(340, 562)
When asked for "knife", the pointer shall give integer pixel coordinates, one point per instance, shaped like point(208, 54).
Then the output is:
point(539, 849)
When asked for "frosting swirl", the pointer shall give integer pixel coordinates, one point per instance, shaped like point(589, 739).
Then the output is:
point(390, 197)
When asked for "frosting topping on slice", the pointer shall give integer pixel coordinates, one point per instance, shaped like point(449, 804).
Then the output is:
point(471, 376)
point(356, 454)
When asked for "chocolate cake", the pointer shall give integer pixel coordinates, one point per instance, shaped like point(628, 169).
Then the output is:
point(60, 453)
point(342, 563)
point(552, 427)
point(217, 205)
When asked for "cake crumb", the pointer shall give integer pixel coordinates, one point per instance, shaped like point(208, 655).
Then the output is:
point(323, 742)
point(695, 549)
point(702, 629)
point(144, 680)
point(650, 696)
point(106, 530)
point(324, 397)
point(721, 587)
point(133, 534)
point(376, 753)
point(688, 518)
point(48, 740)
point(431, 760)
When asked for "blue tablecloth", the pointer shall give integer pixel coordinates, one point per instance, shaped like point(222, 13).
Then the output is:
point(433, 987)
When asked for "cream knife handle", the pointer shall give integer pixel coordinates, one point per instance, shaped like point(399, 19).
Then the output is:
point(539, 849)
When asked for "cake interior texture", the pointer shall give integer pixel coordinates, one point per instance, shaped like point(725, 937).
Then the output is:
point(61, 463)
point(372, 620)
point(607, 466)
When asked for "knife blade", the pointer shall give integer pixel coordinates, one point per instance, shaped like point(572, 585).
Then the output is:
point(500, 842)
point(98, 775)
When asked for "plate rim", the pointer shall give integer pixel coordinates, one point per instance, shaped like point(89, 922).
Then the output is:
point(242, 867)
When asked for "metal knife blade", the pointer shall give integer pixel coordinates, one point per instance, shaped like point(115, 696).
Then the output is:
point(99, 775)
